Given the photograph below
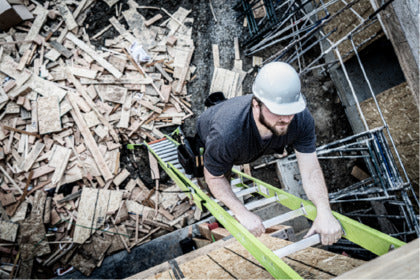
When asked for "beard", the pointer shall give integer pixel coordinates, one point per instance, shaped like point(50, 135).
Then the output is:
point(278, 131)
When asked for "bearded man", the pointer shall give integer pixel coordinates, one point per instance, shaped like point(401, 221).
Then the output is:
point(241, 129)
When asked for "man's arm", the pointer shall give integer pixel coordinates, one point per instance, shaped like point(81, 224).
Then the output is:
point(316, 190)
point(220, 188)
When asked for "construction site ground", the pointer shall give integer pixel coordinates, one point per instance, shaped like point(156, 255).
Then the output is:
point(220, 28)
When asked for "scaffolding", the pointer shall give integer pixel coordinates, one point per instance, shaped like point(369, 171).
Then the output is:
point(298, 30)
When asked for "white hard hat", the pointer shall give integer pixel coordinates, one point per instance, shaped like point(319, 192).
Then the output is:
point(277, 85)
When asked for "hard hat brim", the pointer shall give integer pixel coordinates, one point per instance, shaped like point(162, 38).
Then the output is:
point(285, 108)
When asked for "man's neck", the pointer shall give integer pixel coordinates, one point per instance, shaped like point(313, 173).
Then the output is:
point(264, 132)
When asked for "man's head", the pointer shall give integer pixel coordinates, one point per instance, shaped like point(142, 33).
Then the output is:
point(277, 86)
point(277, 124)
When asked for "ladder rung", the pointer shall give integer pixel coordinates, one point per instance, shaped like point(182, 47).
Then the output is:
point(285, 217)
point(259, 203)
point(160, 144)
point(169, 157)
point(300, 245)
point(164, 149)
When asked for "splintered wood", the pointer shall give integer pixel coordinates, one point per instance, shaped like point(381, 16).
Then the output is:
point(65, 108)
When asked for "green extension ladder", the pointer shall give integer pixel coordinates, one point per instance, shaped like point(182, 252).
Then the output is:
point(165, 151)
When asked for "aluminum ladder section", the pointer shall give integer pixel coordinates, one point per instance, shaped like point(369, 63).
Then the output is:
point(165, 152)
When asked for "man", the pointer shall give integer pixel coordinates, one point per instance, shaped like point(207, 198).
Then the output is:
point(241, 129)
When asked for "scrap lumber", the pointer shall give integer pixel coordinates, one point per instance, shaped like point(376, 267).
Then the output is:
point(94, 206)
point(92, 53)
point(35, 28)
point(48, 115)
point(67, 15)
point(63, 112)
point(90, 141)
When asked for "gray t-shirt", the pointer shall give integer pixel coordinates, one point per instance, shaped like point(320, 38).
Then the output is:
point(231, 137)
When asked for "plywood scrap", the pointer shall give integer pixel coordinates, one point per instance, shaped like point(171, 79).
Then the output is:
point(8, 231)
point(49, 119)
point(112, 93)
point(94, 206)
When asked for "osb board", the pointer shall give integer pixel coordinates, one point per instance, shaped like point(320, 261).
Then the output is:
point(402, 263)
point(93, 208)
point(309, 263)
point(401, 113)
point(347, 21)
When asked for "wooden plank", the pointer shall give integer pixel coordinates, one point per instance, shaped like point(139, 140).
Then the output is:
point(125, 112)
point(401, 263)
point(67, 15)
point(3, 96)
point(225, 81)
point(89, 140)
point(9, 67)
point(121, 29)
point(152, 20)
point(32, 156)
point(7, 198)
point(61, 49)
point(92, 53)
point(236, 46)
point(184, 71)
point(216, 56)
point(8, 231)
point(91, 119)
point(93, 208)
point(49, 120)
point(62, 155)
point(83, 72)
point(35, 28)
point(150, 106)
point(121, 177)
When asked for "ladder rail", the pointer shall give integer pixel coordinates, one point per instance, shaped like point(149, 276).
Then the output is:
point(368, 238)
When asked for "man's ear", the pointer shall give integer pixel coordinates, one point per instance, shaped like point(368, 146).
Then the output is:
point(255, 103)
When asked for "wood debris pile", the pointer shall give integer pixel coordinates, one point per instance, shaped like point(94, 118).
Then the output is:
point(65, 107)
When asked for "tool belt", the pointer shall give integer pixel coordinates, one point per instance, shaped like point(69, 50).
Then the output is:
point(190, 156)
point(191, 149)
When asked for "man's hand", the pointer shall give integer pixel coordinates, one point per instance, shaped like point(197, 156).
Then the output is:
point(251, 222)
point(327, 226)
